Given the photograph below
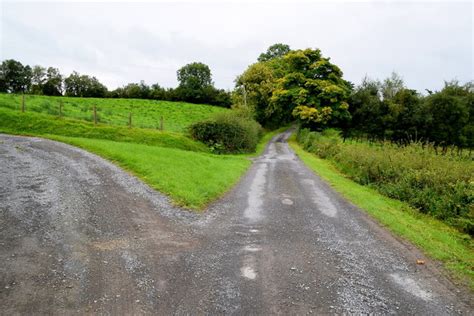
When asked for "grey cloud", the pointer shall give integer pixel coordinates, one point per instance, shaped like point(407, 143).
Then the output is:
point(124, 42)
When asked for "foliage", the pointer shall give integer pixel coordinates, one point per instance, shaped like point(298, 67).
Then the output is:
point(300, 84)
point(14, 77)
point(274, 51)
point(145, 113)
point(391, 111)
point(433, 237)
point(254, 89)
point(195, 76)
point(77, 85)
point(229, 132)
point(195, 85)
point(53, 83)
point(313, 91)
point(440, 186)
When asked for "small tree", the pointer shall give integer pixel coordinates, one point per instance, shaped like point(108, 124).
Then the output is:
point(194, 76)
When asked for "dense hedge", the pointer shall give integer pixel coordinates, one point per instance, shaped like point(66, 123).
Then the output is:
point(442, 186)
point(228, 133)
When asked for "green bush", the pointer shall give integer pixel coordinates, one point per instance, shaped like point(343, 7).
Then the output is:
point(442, 186)
point(228, 132)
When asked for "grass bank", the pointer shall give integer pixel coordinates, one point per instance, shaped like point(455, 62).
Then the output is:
point(145, 113)
point(435, 238)
point(36, 124)
point(190, 179)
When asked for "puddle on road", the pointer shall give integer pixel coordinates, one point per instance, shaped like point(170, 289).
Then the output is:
point(248, 272)
point(319, 198)
point(411, 286)
point(255, 194)
point(251, 248)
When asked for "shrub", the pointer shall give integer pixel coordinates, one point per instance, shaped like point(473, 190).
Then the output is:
point(441, 186)
point(228, 132)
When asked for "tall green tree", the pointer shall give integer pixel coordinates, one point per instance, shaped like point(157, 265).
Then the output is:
point(38, 78)
point(53, 84)
point(195, 84)
point(254, 89)
point(449, 114)
point(312, 91)
point(14, 77)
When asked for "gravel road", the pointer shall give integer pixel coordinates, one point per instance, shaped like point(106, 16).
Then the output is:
point(80, 236)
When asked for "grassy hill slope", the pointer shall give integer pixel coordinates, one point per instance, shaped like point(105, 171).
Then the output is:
point(145, 113)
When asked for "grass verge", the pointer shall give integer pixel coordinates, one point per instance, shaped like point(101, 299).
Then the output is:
point(191, 179)
point(435, 238)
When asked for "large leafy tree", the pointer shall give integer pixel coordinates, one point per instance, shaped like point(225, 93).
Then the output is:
point(300, 84)
point(312, 91)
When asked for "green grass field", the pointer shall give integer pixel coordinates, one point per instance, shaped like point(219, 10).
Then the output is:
point(145, 113)
point(438, 240)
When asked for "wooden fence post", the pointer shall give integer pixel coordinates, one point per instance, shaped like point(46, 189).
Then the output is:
point(23, 102)
point(95, 115)
point(130, 120)
point(161, 123)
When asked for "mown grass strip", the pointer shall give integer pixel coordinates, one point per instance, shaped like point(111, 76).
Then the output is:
point(438, 240)
point(190, 179)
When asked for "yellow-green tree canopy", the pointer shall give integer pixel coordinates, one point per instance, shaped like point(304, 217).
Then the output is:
point(301, 84)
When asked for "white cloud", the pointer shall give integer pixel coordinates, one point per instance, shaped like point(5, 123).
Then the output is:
point(121, 42)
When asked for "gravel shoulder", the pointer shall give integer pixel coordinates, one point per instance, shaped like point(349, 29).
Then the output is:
point(79, 235)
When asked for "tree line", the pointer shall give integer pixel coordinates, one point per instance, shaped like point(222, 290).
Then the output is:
point(284, 85)
point(389, 110)
point(195, 85)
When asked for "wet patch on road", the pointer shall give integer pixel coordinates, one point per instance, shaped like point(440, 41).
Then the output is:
point(322, 201)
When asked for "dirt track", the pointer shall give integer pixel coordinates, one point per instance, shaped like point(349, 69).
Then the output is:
point(78, 235)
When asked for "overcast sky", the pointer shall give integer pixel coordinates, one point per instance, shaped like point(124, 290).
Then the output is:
point(121, 42)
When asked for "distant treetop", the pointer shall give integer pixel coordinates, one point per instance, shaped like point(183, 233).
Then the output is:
point(274, 51)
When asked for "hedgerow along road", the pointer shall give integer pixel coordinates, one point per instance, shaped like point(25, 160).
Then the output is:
point(79, 235)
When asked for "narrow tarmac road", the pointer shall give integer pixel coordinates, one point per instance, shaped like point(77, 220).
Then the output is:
point(80, 236)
